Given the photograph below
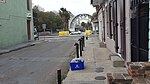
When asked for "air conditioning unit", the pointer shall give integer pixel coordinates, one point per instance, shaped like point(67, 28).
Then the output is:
point(29, 15)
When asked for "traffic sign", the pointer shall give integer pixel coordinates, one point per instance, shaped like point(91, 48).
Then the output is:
point(44, 26)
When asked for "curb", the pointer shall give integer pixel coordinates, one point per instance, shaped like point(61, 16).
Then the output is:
point(17, 47)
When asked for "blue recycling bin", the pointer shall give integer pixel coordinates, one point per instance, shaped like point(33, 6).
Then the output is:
point(77, 65)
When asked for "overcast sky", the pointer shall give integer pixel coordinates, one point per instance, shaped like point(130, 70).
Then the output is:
point(74, 6)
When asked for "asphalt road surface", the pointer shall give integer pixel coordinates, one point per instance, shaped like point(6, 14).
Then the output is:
point(36, 64)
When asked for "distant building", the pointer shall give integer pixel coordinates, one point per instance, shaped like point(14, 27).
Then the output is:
point(16, 23)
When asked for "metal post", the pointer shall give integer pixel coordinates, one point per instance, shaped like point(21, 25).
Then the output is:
point(77, 49)
point(59, 76)
point(38, 35)
point(44, 35)
point(81, 46)
point(87, 37)
point(83, 41)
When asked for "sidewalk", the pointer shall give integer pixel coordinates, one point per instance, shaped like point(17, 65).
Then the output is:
point(97, 63)
point(18, 46)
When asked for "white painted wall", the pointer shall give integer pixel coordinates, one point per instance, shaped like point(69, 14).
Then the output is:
point(110, 43)
point(128, 31)
point(100, 20)
point(119, 30)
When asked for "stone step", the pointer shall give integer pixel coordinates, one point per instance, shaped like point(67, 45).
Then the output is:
point(117, 61)
point(119, 78)
point(102, 45)
point(83, 82)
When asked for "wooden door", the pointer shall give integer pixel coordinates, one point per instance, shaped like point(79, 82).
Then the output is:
point(139, 32)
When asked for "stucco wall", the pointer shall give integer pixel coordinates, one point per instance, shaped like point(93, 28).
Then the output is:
point(100, 21)
point(110, 43)
point(119, 29)
point(128, 31)
point(13, 23)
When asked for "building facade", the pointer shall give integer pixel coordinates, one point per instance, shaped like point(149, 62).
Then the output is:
point(123, 25)
point(16, 23)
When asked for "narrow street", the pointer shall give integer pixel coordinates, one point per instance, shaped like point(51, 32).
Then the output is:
point(37, 64)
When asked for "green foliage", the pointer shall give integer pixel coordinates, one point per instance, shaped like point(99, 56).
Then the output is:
point(52, 20)
point(83, 24)
point(65, 16)
point(94, 16)
point(89, 24)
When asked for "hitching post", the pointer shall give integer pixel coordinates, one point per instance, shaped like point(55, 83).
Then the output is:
point(77, 49)
point(59, 76)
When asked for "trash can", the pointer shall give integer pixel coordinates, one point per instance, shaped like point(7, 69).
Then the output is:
point(77, 64)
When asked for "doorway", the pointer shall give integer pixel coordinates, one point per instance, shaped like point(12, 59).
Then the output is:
point(29, 29)
point(139, 32)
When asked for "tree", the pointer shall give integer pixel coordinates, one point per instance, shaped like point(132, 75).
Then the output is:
point(88, 25)
point(94, 16)
point(52, 20)
point(65, 15)
point(83, 24)
point(37, 10)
